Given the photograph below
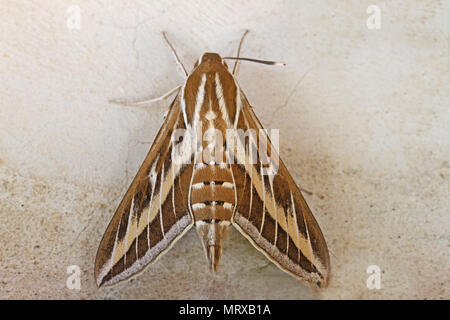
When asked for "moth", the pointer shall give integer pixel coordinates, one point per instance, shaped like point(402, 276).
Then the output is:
point(179, 186)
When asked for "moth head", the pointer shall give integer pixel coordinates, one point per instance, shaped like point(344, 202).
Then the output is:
point(209, 57)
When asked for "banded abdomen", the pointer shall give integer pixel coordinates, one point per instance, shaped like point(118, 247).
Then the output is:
point(212, 202)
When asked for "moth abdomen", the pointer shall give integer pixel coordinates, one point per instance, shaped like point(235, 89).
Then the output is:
point(212, 233)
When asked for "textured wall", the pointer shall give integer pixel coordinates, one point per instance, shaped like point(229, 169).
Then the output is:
point(364, 119)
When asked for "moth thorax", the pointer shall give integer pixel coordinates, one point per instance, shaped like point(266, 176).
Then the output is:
point(212, 235)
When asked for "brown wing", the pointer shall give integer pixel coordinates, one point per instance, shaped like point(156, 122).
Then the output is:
point(152, 215)
point(272, 214)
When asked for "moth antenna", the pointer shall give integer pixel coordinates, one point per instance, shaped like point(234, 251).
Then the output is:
point(174, 52)
point(236, 63)
point(268, 62)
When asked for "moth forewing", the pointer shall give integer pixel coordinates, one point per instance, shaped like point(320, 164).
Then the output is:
point(178, 186)
point(274, 216)
point(152, 215)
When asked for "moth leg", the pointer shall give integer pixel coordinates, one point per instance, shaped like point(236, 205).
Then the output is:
point(145, 103)
point(174, 52)
point(306, 191)
point(236, 63)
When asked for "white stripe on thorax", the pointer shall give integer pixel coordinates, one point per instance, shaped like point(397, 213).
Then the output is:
point(199, 101)
point(238, 104)
point(220, 98)
point(183, 106)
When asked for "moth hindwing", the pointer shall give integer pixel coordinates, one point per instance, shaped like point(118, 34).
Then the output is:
point(196, 173)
